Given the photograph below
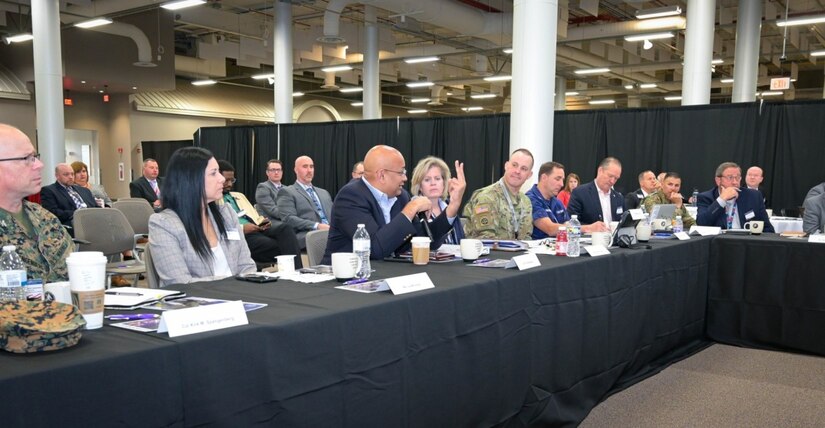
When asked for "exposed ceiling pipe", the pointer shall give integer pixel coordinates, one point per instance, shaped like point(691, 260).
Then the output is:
point(619, 29)
point(332, 19)
point(134, 33)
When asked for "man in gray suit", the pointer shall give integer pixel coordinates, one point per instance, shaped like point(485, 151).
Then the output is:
point(814, 218)
point(266, 194)
point(303, 206)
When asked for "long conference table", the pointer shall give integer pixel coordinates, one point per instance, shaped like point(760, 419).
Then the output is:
point(485, 347)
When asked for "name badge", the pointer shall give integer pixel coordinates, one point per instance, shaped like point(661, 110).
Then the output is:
point(233, 235)
point(749, 215)
point(619, 210)
point(241, 213)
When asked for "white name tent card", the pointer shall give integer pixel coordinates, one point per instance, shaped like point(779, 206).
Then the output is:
point(637, 214)
point(181, 322)
point(596, 250)
point(410, 283)
point(526, 261)
point(683, 236)
point(705, 230)
point(817, 238)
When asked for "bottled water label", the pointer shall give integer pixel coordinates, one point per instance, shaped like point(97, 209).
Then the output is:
point(13, 278)
point(360, 245)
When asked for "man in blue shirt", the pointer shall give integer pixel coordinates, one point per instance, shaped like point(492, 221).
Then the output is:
point(548, 212)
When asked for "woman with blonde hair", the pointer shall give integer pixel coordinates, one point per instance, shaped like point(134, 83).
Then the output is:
point(81, 178)
point(429, 179)
point(570, 182)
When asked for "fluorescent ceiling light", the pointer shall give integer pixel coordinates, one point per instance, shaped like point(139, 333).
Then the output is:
point(802, 20)
point(498, 78)
point(649, 36)
point(420, 100)
point(358, 104)
point(571, 94)
point(674, 98)
point(263, 76)
point(351, 90)
point(421, 84)
point(508, 50)
point(726, 80)
point(818, 53)
point(182, 4)
point(17, 38)
point(471, 108)
point(419, 111)
point(421, 59)
point(628, 87)
point(297, 94)
point(593, 71)
point(204, 82)
point(598, 102)
point(658, 12)
point(336, 68)
point(717, 61)
point(91, 23)
point(482, 96)
point(647, 85)
point(771, 93)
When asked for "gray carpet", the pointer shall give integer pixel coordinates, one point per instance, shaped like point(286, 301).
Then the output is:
point(723, 386)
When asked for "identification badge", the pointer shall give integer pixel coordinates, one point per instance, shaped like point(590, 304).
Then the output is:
point(241, 213)
point(749, 215)
point(619, 210)
point(233, 235)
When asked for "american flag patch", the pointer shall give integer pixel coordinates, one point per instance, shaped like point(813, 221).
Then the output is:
point(482, 209)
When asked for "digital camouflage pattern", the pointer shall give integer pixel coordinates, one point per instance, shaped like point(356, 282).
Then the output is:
point(45, 253)
point(39, 326)
point(489, 216)
point(659, 198)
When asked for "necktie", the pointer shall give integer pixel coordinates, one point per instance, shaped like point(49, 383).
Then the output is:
point(76, 198)
point(155, 187)
point(318, 207)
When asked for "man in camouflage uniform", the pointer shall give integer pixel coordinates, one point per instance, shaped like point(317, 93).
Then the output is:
point(668, 193)
point(500, 210)
point(41, 240)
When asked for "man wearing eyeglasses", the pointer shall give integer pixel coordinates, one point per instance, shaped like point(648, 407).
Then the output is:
point(302, 206)
point(41, 240)
point(729, 206)
point(266, 194)
point(378, 200)
point(62, 198)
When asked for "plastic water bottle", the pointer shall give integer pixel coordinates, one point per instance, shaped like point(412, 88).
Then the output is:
point(695, 197)
point(561, 241)
point(677, 224)
point(12, 275)
point(574, 232)
point(361, 248)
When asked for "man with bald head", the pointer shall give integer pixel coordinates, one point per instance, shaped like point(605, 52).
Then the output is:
point(753, 179)
point(378, 200)
point(62, 198)
point(302, 206)
point(41, 241)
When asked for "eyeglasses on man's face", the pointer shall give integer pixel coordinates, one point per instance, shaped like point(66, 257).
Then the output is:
point(403, 171)
point(731, 177)
point(30, 158)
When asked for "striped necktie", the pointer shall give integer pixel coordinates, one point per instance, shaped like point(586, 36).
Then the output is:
point(318, 207)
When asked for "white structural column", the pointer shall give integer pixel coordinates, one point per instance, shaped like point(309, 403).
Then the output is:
point(534, 65)
point(561, 88)
point(371, 78)
point(48, 83)
point(282, 54)
point(746, 59)
point(698, 52)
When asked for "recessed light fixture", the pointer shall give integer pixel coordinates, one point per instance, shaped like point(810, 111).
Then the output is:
point(419, 84)
point(421, 59)
point(204, 82)
point(571, 94)
point(482, 96)
point(351, 90)
point(507, 50)
point(498, 78)
point(647, 85)
point(335, 68)
point(818, 53)
point(468, 109)
point(134, 87)
point(674, 98)
point(358, 104)
point(263, 76)
point(600, 102)
point(83, 82)
point(649, 36)
point(658, 12)
point(297, 94)
point(420, 100)
point(628, 87)
point(449, 94)
point(91, 23)
point(418, 111)
point(18, 38)
point(716, 61)
point(593, 71)
point(730, 80)
point(771, 93)
point(181, 4)
point(801, 20)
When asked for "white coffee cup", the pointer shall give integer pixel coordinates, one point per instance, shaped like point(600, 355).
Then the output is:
point(421, 250)
point(62, 291)
point(471, 249)
point(643, 231)
point(755, 226)
point(344, 266)
point(659, 223)
point(286, 263)
point(604, 239)
point(87, 280)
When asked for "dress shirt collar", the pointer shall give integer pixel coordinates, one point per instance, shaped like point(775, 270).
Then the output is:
point(384, 201)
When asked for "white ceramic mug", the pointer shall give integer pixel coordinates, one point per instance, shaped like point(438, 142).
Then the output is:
point(344, 266)
point(604, 239)
point(87, 279)
point(659, 224)
point(471, 249)
point(286, 263)
point(755, 226)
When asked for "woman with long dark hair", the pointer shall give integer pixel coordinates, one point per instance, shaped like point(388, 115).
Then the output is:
point(570, 183)
point(193, 239)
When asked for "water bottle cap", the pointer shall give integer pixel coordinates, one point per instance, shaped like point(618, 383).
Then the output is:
point(360, 224)
point(576, 216)
point(9, 248)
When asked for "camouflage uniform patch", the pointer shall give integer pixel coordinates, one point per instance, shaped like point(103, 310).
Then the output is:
point(45, 254)
point(659, 198)
point(490, 217)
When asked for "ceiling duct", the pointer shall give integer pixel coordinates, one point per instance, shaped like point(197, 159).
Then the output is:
point(134, 33)
point(329, 81)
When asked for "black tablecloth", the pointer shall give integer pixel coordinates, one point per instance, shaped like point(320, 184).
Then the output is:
point(767, 292)
point(486, 347)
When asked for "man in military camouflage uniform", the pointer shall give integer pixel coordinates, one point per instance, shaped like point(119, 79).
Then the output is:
point(668, 193)
point(500, 210)
point(41, 240)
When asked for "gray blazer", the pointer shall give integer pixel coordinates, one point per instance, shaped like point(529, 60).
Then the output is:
point(177, 262)
point(298, 210)
point(266, 200)
point(814, 217)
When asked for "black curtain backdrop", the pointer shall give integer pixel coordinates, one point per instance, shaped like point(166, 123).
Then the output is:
point(785, 139)
point(160, 151)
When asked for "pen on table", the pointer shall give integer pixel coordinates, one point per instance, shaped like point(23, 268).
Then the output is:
point(122, 293)
point(481, 261)
point(355, 281)
point(131, 317)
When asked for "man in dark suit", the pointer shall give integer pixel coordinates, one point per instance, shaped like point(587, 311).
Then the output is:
point(648, 184)
point(302, 206)
point(728, 206)
point(147, 186)
point(62, 198)
point(379, 201)
point(753, 180)
point(596, 202)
